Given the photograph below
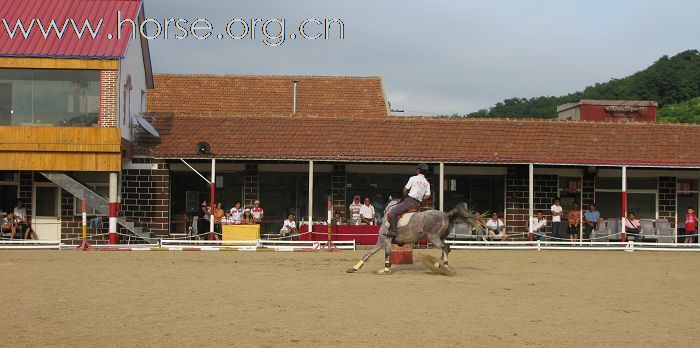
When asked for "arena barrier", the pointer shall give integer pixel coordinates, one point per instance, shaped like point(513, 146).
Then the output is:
point(30, 244)
point(589, 246)
point(251, 245)
point(295, 245)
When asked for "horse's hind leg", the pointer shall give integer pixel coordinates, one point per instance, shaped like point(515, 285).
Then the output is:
point(444, 247)
point(375, 249)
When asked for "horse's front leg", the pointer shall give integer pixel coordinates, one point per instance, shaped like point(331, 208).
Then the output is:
point(375, 249)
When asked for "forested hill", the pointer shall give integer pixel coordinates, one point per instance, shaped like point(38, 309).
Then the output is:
point(673, 82)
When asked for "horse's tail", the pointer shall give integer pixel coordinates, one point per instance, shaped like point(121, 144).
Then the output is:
point(462, 213)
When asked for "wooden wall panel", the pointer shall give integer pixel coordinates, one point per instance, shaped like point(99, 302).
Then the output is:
point(58, 63)
point(60, 148)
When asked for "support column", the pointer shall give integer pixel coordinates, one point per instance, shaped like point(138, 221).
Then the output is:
point(531, 199)
point(113, 207)
point(311, 193)
point(623, 233)
point(212, 198)
point(442, 186)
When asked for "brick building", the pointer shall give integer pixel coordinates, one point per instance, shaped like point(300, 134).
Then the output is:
point(609, 110)
point(266, 151)
point(68, 112)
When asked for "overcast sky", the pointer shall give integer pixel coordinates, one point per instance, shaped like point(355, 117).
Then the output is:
point(441, 57)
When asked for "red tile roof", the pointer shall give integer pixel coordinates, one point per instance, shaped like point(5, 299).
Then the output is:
point(216, 95)
point(399, 139)
point(69, 45)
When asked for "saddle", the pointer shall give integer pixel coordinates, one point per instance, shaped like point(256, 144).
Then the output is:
point(403, 218)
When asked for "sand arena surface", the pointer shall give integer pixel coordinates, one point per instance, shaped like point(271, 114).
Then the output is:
point(275, 299)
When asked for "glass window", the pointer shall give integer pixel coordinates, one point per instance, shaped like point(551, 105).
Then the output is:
point(609, 204)
point(642, 184)
point(49, 97)
point(481, 193)
point(642, 204)
point(46, 201)
point(285, 193)
point(687, 185)
point(608, 183)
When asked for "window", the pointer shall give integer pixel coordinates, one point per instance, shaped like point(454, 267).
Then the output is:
point(101, 189)
point(143, 101)
point(49, 97)
point(641, 197)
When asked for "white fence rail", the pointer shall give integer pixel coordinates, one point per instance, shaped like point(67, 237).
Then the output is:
point(30, 244)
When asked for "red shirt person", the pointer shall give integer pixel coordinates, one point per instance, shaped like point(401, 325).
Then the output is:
point(691, 225)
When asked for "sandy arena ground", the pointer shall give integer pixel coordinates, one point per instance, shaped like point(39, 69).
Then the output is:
point(497, 298)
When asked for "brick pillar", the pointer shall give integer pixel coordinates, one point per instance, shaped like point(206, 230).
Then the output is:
point(109, 98)
point(146, 196)
point(667, 199)
point(546, 189)
point(517, 201)
point(587, 190)
point(251, 185)
point(338, 186)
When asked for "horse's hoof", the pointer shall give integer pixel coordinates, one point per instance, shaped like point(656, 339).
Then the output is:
point(351, 270)
point(384, 271)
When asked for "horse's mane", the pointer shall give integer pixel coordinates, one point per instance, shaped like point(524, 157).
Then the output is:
point(391, 204)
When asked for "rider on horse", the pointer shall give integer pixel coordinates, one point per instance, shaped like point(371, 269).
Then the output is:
point(414, 192)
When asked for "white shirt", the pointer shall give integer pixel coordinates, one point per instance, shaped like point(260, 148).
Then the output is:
point(289, 224)
point(494, 225)
point(367, 211)
point(355, 211)
point(418, 187)
point(537, 225)
point(556, 209)
point(236, 215)
point(20, 214)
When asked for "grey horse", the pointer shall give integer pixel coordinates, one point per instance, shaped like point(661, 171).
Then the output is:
point(435, 225)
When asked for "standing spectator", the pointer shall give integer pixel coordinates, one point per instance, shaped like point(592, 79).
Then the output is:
point(247, 217)
point(203, 219)
point(258, 213)
point(496, 228)
point(367, 212)
point(379, 207)
point(691, 225)
point(355, 210)
point(236, 213)
point(633, 227)
point(574, 222)
point(218, 214)
point(591, 219)
point(538, 223)
point(22, 222)
point(8, 225)
point(289, 226)
point(557, 213)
